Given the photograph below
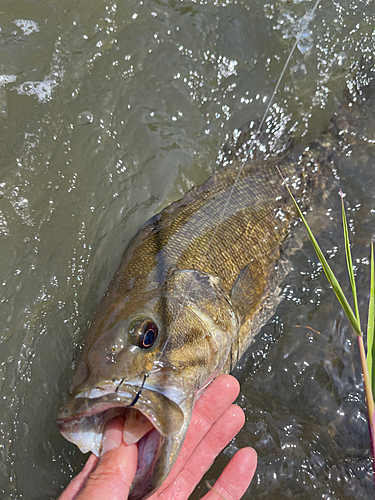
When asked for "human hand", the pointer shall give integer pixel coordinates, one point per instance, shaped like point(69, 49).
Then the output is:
point(215, 421)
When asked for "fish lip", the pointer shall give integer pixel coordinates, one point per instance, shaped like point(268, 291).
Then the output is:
point(163, 413)
point(84, 406)
point(82, 421)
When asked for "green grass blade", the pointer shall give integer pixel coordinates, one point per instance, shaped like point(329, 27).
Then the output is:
point(370, 324)
point(329, 273)
point(349, 261)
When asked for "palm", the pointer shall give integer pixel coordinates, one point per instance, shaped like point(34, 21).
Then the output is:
point(215, 421)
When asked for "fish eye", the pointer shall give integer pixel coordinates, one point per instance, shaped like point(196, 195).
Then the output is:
point(143, 333)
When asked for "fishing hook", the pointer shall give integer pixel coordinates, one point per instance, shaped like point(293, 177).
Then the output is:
point(137, 396)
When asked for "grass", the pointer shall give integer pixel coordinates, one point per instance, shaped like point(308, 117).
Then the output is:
point(367, 360)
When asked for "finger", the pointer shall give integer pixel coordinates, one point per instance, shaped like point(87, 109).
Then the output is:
point(77, 483)
point(115, 469)
point(236, 477)
point(201, 459)
point(218, 396)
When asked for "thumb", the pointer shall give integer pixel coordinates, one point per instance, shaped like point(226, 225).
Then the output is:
point(115, 469)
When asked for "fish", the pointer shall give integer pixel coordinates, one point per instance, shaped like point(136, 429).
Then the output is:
point(193, 289)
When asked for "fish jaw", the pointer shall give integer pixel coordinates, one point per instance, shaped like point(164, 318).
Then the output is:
point(83, 419)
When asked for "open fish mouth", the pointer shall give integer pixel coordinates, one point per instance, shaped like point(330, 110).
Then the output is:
point(150, 419)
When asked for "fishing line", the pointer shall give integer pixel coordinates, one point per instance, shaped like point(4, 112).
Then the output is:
point(308, 16)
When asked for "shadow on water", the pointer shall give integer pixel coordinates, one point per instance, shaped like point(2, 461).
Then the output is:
point(108, 112)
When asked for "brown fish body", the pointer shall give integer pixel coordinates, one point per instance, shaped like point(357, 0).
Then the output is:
point(183, 307)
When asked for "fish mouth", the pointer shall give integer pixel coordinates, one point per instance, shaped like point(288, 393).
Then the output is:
point(151, 420)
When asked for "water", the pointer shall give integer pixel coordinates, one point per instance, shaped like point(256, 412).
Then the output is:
point(108, 112)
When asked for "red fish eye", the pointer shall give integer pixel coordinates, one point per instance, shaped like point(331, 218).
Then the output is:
point(144, 333)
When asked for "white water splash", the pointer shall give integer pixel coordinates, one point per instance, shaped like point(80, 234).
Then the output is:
point(27, 26)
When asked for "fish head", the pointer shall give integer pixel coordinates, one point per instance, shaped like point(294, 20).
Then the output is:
point(147, 357)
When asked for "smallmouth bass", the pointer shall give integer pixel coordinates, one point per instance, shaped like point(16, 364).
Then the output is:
point(192, 290)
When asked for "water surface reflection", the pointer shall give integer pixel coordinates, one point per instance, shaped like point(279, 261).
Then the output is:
point(108, 112)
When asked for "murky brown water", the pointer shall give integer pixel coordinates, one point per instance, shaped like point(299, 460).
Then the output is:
point(108, 112)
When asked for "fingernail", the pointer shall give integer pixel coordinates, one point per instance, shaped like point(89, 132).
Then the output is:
point(112, 436)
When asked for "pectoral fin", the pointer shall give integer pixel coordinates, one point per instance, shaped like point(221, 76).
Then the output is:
point(248, 290)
